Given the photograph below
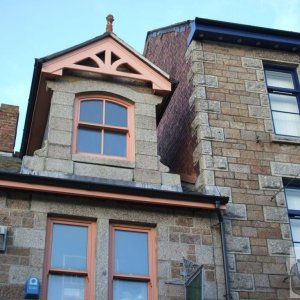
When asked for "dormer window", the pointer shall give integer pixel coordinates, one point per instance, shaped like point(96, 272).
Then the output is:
point(104, 127)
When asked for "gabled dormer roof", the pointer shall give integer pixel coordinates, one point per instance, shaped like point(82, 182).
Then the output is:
point(104, 55)
point(109, 55)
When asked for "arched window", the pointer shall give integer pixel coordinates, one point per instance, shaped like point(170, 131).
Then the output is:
point(104, 126)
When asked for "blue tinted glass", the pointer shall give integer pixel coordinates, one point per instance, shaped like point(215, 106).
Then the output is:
point(280, 79)
point(130, 290)
point(66, 287)
point(69, 247)
point(115, 114)
point(194, 290)
point(131, 252)
point(91, 111)
point(114, 144)
point(295, 226)
point(286, 123)
point(293, 198)
point(283, 102)
point(89, 140)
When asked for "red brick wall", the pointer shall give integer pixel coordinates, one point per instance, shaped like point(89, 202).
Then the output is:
point(175, 144)
point(9, 115)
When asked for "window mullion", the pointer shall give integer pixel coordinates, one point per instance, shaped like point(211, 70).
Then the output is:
point(103, 123)
point(102, 141)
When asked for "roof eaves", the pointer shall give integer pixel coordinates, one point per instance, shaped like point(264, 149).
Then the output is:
point(225, 32)
point(30, 106)
point(73, 48)
point(98, 38)
point(112, 188)
point(245, 27)
point(141, 57)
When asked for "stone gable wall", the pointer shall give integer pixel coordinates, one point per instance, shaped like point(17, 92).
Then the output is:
point(234, 151)
point(241, 157)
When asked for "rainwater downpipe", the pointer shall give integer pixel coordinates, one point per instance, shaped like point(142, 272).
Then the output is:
point(224, 251)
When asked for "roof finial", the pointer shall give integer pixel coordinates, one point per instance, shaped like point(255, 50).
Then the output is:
point(109, 26)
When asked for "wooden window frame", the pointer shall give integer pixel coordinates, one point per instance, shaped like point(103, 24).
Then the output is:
point(89, 274)
point(129, 130)
point(151, 278)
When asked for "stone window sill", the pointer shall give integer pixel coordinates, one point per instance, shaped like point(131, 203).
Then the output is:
point(103, 161)
point(284, 139)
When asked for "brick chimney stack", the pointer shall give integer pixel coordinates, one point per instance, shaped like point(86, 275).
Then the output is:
point(9, 116)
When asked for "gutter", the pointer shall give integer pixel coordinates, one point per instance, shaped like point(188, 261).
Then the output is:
point(244, 35)
point(101, 191)
point(224, 251)
point(31, 104)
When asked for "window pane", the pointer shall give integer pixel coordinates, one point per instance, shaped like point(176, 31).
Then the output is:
point(115, 144)
point(91, 111)
point(286, 124)
point(115, 114)
point(69, 247)
point(295, 226)
point(194, 289)
point(293, 198)
point(284, 103)
point(297, 252)
point(131, 252)
point(89, 140)
point(66, 287)
point(130, 290)
point(279, 79)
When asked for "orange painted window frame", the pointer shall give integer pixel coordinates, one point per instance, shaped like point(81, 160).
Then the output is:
point(129, 129)
point(152, 277)
point(89, 274)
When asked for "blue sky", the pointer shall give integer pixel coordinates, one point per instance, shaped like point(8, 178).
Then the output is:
point(32, 29)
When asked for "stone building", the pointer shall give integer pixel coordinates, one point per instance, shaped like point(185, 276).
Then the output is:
point(232, 128)
point(93, 213)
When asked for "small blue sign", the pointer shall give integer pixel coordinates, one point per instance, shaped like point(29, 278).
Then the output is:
point(32, 288)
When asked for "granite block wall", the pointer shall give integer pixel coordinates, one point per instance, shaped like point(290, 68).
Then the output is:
point(235, 152)
point(179, 232)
